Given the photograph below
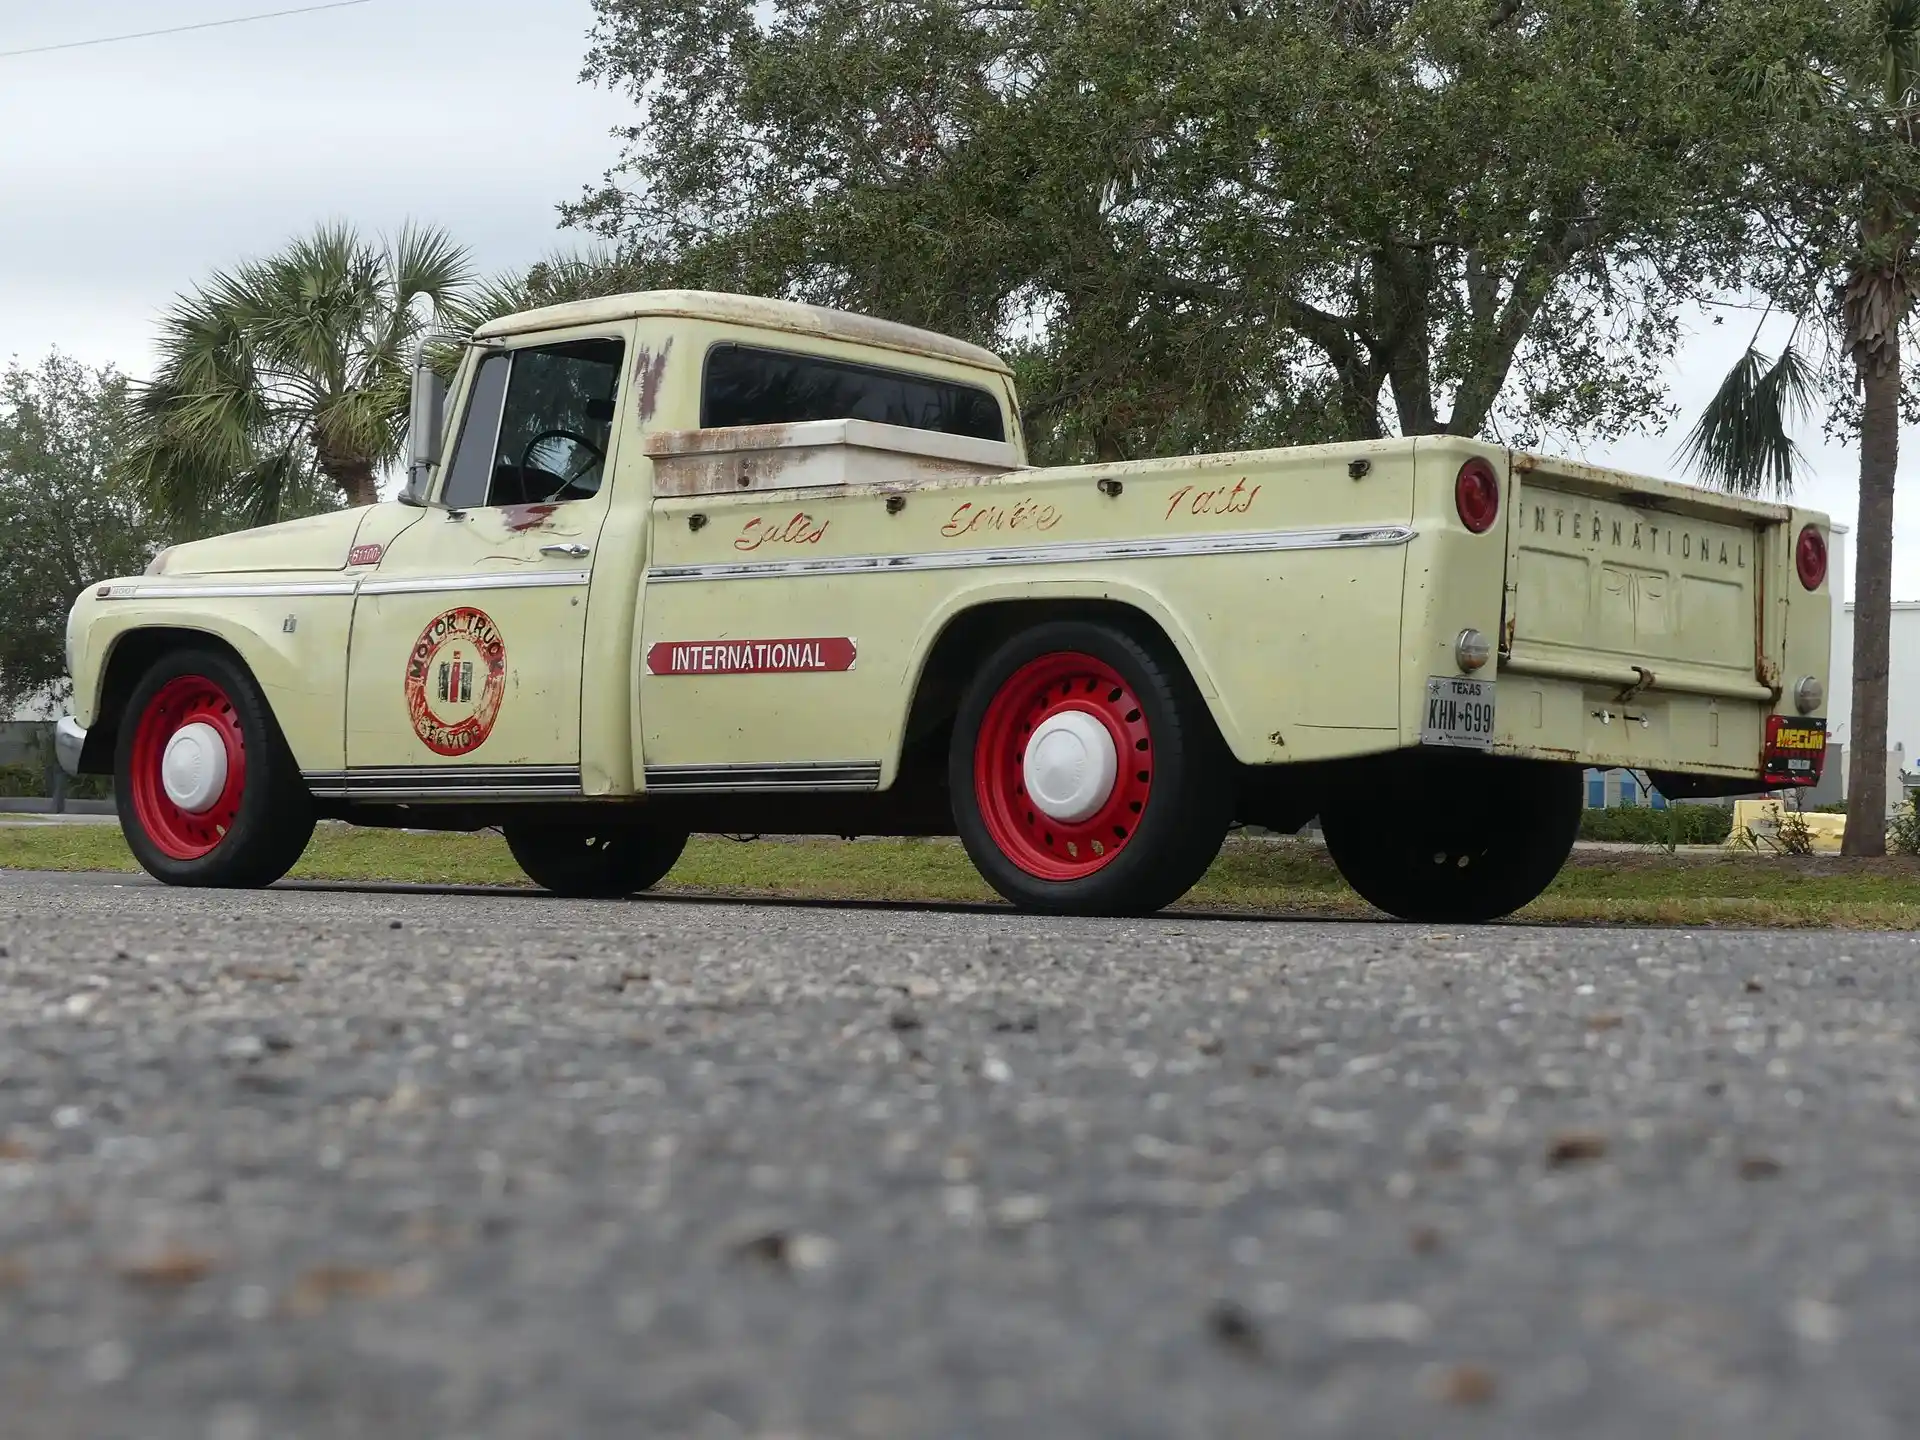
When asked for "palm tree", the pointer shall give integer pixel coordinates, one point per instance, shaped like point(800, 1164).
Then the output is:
point(287, 377)
point(1742, 441)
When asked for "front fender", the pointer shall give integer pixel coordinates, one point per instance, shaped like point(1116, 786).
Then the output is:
point(292, 637)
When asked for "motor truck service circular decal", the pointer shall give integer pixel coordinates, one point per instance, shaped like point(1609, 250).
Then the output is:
point(456, 678)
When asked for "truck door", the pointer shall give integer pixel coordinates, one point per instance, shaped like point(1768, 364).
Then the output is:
point(464, 674)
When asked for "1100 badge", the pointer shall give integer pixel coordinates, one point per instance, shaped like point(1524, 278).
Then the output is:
point(1459, 713)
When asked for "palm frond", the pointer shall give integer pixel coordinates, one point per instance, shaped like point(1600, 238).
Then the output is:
point(1897, 32)
point(267, 363)
point(1742, 441)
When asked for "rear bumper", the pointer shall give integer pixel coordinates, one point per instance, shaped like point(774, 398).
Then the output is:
point(69, 739)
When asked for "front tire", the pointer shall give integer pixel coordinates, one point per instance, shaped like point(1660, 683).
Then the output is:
point(207, 790)
point(594, 862)
point(1086, 773)
point(1458, 840)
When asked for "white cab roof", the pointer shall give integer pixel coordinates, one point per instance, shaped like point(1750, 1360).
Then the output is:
point(815, 320)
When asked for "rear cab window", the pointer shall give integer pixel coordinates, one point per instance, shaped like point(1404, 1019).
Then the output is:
point(752, 385)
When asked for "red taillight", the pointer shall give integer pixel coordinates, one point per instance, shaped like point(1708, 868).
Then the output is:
point(1810, 558)
point(1476, 495)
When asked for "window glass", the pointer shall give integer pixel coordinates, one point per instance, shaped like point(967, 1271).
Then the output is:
point(557, 422)
point(748, 386)
point(472, 465)
point(537, 425)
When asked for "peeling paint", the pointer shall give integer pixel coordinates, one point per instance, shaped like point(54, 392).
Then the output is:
point(521, 518)
point(649, 370)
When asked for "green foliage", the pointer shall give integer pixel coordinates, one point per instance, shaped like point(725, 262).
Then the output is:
point(1207, 225)
point(1743, 440)
point(67, 518)
point(1678, 824)
point(282, 386)
point(1903, 827)
point(1795, 836)
point(30, 781)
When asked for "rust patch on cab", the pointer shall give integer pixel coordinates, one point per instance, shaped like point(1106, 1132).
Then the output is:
point(649, 370)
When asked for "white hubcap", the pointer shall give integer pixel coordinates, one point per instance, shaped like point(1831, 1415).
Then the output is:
point(1070, 766)
point(194, 767)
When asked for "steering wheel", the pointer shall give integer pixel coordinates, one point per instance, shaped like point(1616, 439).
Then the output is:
point(567, 482)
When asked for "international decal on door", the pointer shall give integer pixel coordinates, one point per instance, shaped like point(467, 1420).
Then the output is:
point(456, 679)
point(750, 657)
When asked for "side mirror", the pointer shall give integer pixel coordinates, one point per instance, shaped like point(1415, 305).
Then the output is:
point(425, 422)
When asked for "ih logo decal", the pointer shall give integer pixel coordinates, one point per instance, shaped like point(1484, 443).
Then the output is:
point(456, 678)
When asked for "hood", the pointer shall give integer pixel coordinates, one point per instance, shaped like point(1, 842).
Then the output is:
point(319, 542)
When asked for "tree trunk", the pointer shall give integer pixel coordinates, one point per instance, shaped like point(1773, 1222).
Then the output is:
point(1873, 607)
point(356, 480)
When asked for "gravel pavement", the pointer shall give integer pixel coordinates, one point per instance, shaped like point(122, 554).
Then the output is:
point(350, 1163)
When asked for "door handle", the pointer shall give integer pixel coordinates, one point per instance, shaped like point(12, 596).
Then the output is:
point(572, 552)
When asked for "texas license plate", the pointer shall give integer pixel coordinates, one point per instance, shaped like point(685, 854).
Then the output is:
point(1459, 713)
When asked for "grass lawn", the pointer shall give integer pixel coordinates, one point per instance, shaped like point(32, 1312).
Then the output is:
point(1251, 875)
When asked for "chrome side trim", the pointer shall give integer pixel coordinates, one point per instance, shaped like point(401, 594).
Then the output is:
point(446, 782)
point(371, 584)
point(68, 740)
point(428, 584)
point(181, 590)
point(848, 775)
point(1246, 542)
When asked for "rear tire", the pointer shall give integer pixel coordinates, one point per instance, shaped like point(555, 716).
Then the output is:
point(1153, 809)
point(1493, 837)
point(238, 813)
point(583, 861)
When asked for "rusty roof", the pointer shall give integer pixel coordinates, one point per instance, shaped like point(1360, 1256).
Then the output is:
point(796, 319)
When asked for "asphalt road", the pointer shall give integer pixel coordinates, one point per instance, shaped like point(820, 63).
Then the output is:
point(323, 1162)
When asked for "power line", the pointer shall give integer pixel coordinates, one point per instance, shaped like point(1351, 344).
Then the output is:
point(182, 29)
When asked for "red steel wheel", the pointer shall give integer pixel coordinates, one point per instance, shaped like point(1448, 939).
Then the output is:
point(189, 767)
point(1063, 766)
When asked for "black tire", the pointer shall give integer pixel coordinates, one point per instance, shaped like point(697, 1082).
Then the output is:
point(269, 824)
point(1184, 814)
point(583, 861)
point(1458, 840)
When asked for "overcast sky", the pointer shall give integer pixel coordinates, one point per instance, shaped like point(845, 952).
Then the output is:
point(129, 171)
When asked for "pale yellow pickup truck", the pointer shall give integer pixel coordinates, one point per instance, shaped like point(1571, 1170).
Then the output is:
point(678, 562)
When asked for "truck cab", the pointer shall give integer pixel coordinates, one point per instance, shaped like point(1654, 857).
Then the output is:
point(679, 561)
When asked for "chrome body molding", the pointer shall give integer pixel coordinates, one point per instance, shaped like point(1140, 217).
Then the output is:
point(1244, 542)
point(369, 584)
point(843, 775)
point(447, 782)
point(69, 738)
point(512, 580)
point(242, 590)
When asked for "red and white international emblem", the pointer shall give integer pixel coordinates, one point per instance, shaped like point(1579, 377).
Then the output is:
point(456, 678)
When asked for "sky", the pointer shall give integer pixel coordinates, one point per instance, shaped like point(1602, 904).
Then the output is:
point(129, 171)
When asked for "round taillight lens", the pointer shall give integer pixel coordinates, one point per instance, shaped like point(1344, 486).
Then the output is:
point(1476, 495)
point(1810, 557)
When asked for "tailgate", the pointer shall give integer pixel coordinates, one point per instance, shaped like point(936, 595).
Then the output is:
point(1613, 579)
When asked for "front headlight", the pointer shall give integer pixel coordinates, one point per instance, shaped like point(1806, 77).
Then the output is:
point(1808, 694)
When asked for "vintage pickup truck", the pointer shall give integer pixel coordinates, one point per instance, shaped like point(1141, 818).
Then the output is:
point(678, 562)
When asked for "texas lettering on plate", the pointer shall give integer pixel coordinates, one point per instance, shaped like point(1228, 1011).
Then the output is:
point(1459, 713)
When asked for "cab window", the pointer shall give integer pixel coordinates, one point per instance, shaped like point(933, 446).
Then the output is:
point(746, 385)
point(538, 425)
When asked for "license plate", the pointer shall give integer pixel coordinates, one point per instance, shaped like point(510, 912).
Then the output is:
point(1459, 713)
point(1795, 751)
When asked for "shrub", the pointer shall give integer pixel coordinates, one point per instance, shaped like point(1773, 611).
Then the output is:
point(1903, 828)
point(30, 782)
point(1632, 824)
